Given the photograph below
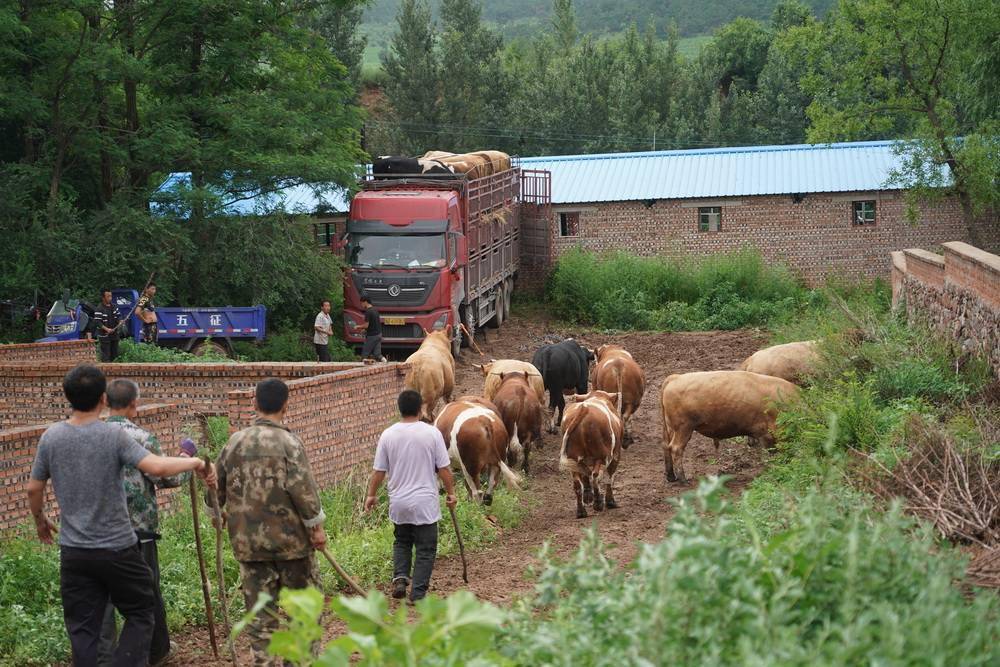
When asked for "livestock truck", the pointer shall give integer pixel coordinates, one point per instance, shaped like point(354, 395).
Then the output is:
point(194, 330)
point(436, 250)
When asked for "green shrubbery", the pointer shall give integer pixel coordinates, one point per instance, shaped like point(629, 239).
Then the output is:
point(31, 628)
point(130, 352)
point(290, 345)
point(621, 291)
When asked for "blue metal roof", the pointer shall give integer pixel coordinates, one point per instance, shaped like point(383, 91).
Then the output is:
point(301, 199)
point(721, 172)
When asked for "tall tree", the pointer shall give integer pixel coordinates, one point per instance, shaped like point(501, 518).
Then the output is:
point(340, 25)
point(917, 68)
point(564, 24)
point(412, 69)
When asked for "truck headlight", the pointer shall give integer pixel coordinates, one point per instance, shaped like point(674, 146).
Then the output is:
point(441, 322)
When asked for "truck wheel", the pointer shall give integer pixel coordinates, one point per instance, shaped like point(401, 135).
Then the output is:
point(498, 317)
point(210, 347)
point(508, 293)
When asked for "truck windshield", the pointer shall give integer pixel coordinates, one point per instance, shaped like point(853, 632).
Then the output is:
point(59, 309)
point(396, 250)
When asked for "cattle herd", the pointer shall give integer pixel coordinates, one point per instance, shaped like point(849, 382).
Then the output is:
point(489, 435)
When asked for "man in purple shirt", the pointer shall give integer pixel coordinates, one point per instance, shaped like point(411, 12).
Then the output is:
point(413, 455)
point(99, 557)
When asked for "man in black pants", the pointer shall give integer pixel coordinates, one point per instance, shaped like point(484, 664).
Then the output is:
point(373, 331)
point(106, 321)
point(413, 455)
point(99, 556)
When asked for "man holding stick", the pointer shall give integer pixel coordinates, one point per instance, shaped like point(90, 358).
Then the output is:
point(99, 552)
point(413, 455)
point(140, 495)
point(272, 506)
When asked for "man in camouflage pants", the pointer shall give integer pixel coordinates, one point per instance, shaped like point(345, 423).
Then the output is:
point(140, 496)
point(272, 507)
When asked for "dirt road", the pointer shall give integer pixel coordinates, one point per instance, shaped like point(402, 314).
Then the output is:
point(498, 573)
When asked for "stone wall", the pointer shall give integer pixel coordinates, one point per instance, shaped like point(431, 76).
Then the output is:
point(31, 393)
point(68, 351)
point(812, 233)
point(958, 293)
point(17, 453)
point(338, 417)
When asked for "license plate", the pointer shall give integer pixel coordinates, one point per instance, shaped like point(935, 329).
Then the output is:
point(394, 321)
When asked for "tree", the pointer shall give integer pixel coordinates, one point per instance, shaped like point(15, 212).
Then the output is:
point(564, 24)
point(413, 77)
point(340, 26)
point(921, 69)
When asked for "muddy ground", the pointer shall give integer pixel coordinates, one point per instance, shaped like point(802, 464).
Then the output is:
point(498, 574)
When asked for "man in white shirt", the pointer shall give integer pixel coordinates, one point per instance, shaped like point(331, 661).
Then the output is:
point(413, 455)
point(323, 329)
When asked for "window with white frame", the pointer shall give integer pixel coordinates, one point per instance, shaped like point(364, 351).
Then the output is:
point(863, 212)
point(710, 219)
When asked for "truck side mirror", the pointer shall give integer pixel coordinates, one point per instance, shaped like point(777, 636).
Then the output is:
point(340, 242)
point(461, 246)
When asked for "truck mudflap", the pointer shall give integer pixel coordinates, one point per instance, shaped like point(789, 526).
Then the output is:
point(398, 329)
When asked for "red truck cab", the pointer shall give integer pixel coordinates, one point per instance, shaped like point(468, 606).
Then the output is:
point(430, 252)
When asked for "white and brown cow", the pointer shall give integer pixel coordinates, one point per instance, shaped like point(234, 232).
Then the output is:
point(432, 372)
point(617, 372)
point(592, 434)
point(521, 411)
point(719, 405)
point(477, 443)
point(493, 370)
point(791, 361)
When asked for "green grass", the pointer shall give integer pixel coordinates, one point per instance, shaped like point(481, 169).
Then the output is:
point(31, 629)
point(622, 291)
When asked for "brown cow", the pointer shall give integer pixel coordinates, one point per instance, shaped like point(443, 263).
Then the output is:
point(617, 372)
point(521, 412)
point(592, 447)
point(432, 372)
point(792, 361)
point(497, 367)
point(477, 443)
point(719, 405)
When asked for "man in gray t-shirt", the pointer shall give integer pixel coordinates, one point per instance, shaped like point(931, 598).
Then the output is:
point(414, 457)
point(98, 555)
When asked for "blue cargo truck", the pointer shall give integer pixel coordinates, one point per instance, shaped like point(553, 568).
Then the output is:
point(196, 330)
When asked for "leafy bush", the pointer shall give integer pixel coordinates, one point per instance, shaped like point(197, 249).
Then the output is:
point(842, 584)
point(290, 345)
point(457, 630)
point(141, 353)
point(621, 291)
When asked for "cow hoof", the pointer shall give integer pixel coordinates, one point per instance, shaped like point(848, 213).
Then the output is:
point(598, 505)
point(588, 497)
point(611, 504)
point(552, 430)
point(488, 499)
point(671, 477)
point(581, 513)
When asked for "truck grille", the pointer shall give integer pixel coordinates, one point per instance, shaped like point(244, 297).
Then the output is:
point(396, 289)
point(402, 331)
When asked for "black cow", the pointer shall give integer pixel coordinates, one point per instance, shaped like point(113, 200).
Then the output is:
point(563, 366)
point(388, 165)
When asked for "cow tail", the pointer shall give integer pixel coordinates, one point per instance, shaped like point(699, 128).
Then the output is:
point(509, 476)
point(566, 464)
point(516, 448)
point(621, 396)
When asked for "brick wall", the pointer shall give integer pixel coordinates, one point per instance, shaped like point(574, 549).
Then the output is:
point(68, 351)
point(31, 393)
point(958, 293)
point(17, 452)
point(338, 417)
point(815, 236)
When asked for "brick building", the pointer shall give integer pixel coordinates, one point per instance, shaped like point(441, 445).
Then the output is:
point(825, 210)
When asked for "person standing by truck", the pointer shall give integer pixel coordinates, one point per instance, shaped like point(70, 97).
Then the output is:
point(106, 320)
point(323, 329)
point(145, 310)
point(373, 331)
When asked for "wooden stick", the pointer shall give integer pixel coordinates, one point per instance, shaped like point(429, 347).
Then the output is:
point(461, 546)
point(213, 498)
point(201, 567)
point(472, 339)
point(342, 572)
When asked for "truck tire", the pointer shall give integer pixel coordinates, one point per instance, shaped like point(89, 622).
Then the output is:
point(210, 347)
point(508, 294)
point(498, 317)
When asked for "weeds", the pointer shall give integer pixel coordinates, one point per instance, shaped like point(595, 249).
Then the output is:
point(620, 291)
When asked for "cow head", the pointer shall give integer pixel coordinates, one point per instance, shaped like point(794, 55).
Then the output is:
point(485, 368)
